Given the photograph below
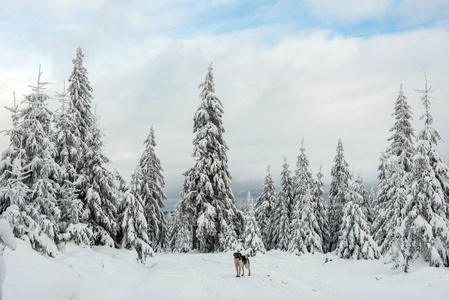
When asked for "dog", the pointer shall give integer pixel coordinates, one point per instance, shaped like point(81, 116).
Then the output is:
point(240, 262)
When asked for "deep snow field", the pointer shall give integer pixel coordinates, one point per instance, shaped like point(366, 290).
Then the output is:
point(105, 273)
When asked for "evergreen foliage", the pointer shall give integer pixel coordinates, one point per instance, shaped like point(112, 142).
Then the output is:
point(320, 210)
point(302, 180)
point(355, 240)
point(10, 154)
point(81, 98)
point(133, 225)
point(100, 200)
point(67, 156)
point(279, 228)
point(394, 171)
point(207, 199)
point(39, 152)
point(180, 238)
point(338, 190)
point(149, 184)
point(364, 204)
point(264, 206)
point(252, 238)
point(425, 211)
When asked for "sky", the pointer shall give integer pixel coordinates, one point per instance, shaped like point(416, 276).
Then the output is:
point(317, 70)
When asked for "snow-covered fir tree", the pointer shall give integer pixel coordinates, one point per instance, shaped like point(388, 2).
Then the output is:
point(279, 227)
point(207, 197)
point(307, 226)
point(338, 189)
point(381, 199)
point(320, 210)
point(133, 226)
point(252, 238)
point(23, 217)
point(10, 154)
point(425, 211)
point(393, 174)
point(302, 180)
point(149, 184)
point(39, 152)
point(80, 98)
point(95, 185)
point(364, 204)
point(355, 240)
point(180, 238)
point(67, 140)
point(392, 229)
point(67, 156)
point(402, 144)
point(101, 194)
point(264, 206)
point(170, 219)
point(186, 208)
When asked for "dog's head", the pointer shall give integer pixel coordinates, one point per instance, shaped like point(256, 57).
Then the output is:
point(237, 255)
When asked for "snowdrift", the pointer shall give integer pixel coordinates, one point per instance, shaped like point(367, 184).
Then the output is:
point(112, 274)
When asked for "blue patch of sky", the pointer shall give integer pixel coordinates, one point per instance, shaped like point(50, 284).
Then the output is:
point(208, 18)
point(243, 15)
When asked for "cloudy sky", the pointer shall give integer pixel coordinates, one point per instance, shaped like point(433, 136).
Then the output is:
point(284, 70)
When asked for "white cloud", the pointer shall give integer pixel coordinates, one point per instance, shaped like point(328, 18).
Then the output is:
point(320, 87)
point(277, 86)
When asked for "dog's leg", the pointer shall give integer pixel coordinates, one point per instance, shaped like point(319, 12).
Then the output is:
point(249, 270)
point(237, 270)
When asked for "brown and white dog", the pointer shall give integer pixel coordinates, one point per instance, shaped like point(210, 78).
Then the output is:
point(240, 262)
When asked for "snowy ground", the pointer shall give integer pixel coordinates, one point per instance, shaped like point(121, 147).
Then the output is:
point(104, 273)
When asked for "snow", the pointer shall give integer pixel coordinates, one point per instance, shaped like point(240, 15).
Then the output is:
point(106, 273)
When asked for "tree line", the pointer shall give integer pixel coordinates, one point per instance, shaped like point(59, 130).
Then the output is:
point(55, 188)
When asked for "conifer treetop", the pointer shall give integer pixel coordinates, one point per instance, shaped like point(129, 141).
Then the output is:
point(425, 98)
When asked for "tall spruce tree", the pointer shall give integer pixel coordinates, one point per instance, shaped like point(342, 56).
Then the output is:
point(23, 217)
point(81, 120)
point(402, 144)
point(279, 228)
point(67, 155)
point(264, 206)
point(381, 198)
point(310, 227)
point(10, 154)
point(81, 97)
point(303, 179)
point(207, 198)
point(186, 208)
point(395, 166)
point(101, 194)
point(338, 189)
point(393, 244)
point(320, 210)
point(133, 225)
point(251, 236)
point(425, 210)
point(149, 186)
point(355, 240)
point(39, 152)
